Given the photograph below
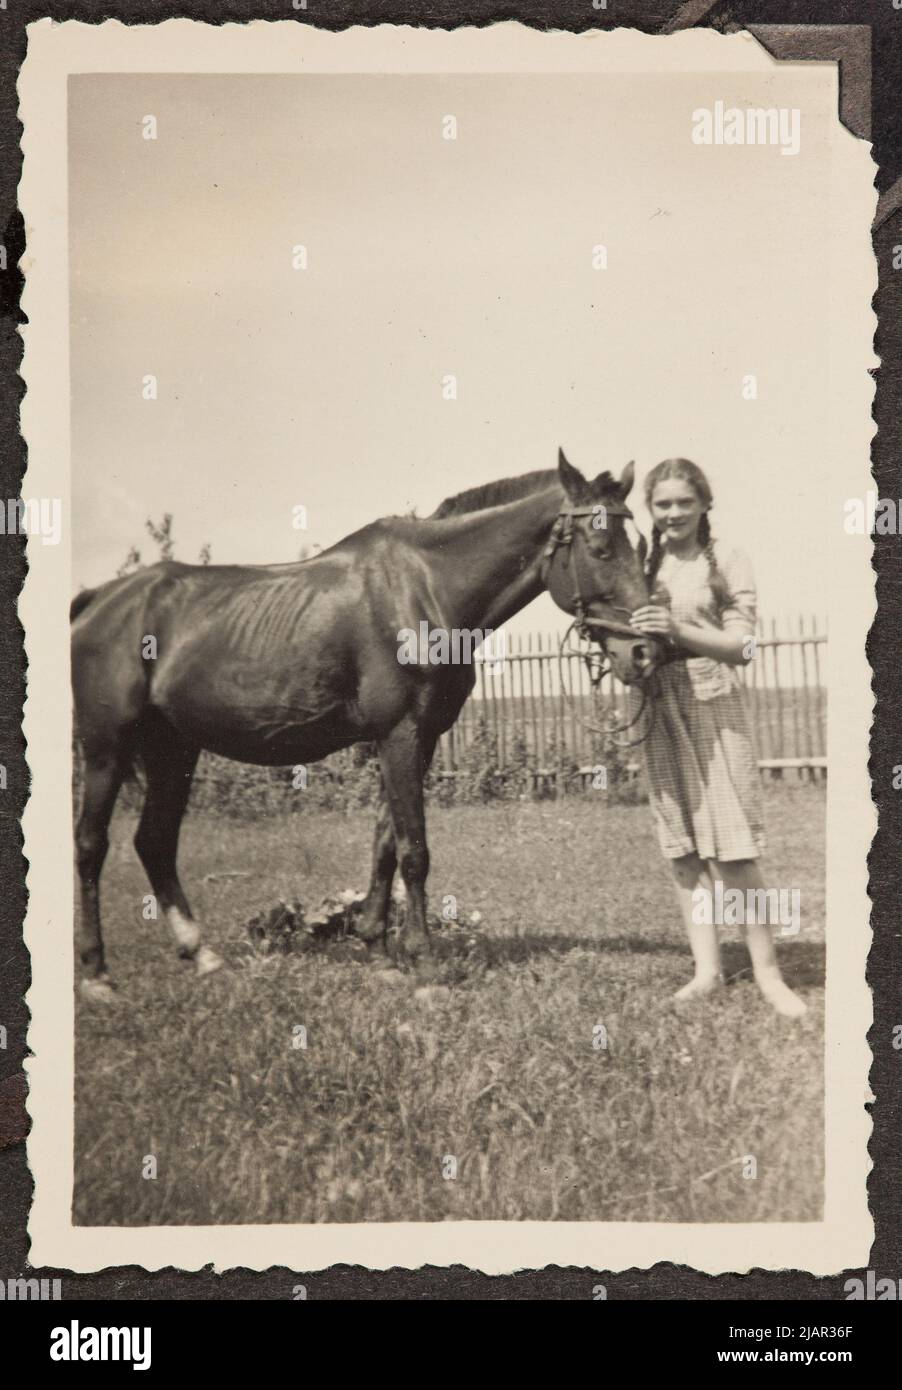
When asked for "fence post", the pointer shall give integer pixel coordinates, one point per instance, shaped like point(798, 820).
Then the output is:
point(786, 700)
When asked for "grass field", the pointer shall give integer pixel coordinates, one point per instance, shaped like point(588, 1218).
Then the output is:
point(493, 1064)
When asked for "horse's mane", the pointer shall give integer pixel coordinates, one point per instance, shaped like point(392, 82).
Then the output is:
point(475, 499)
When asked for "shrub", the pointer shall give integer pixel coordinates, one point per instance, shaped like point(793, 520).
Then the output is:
point(349, 780)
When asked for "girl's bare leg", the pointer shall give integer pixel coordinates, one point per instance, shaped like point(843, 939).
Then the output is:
point(691, 873)
point(745, 874)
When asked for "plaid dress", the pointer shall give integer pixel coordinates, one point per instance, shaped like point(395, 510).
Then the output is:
point(703, 780)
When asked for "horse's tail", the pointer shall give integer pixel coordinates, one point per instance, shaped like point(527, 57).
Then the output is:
point(134, 769)
point(80, 602)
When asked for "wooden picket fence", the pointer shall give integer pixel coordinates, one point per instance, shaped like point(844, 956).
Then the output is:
point(534, 706)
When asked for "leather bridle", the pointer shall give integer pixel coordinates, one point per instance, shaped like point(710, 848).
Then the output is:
point(561, 537)
point(592, 628)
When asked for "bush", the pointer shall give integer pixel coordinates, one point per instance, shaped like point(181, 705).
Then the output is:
point(349, 780)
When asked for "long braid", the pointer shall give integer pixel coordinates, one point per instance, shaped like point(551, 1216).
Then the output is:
point(706, 541)
point(715, 578)
point(690, 473)
point(654, 559)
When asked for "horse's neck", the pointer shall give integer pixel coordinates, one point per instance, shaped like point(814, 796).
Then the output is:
point(493, 559)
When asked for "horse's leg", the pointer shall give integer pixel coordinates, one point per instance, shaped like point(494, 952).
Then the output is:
point(374, 915)
point(404, 757)
point(169, 764)
point(103, 774)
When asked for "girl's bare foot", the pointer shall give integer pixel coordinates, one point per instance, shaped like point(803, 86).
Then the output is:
point(780, 997)
point(699, 986)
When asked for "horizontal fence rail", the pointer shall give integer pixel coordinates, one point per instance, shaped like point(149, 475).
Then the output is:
point(536, 709)
point(534, 727)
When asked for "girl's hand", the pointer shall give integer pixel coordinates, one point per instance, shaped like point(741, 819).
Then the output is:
point(655, 622)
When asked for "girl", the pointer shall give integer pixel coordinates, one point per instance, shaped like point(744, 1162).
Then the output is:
point(702, 772)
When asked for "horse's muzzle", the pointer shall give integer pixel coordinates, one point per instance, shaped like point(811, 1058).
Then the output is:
point(633, 659)
point(645, 658)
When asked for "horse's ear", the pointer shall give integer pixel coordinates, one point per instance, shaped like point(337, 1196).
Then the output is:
point(627, 478)
point(574, 483)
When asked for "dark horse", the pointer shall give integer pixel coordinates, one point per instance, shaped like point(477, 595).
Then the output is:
point(283, 664)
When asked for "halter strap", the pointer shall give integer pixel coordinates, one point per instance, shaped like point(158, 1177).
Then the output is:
point(615, 509)
point(562, 535)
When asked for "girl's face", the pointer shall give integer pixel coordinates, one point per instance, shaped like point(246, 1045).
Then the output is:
point(676, 509)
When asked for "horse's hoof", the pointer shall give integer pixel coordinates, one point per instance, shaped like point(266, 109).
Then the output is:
point(98, 990)
point(206, 961)
point(426, 971)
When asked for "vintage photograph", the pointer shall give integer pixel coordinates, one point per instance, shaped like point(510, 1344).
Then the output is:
point(455, 620)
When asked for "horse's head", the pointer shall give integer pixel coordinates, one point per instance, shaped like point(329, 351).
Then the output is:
point(593, 572)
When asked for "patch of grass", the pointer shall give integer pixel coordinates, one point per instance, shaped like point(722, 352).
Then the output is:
point(493, 1063)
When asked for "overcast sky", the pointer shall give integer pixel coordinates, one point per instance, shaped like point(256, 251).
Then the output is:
point(323, 387)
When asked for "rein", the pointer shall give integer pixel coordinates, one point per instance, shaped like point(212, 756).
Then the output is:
point(597, 663)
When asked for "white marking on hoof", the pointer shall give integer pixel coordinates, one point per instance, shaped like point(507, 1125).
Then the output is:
point(98, 990)
point(207, 961)
point(185, 930)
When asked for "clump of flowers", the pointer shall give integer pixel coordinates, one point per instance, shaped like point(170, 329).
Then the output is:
point(288, 926)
